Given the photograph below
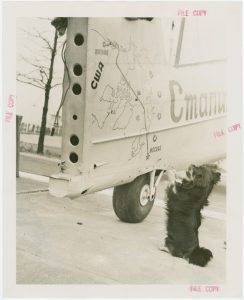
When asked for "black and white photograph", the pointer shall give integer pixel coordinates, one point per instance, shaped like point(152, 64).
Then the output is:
point(126, 133)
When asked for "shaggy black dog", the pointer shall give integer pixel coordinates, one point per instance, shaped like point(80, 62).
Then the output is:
point(185, 201)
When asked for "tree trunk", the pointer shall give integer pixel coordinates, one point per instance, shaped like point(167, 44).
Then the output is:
point(40, 146)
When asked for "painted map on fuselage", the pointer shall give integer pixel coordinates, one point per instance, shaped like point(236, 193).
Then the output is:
point(136, 93)
point(127, 101)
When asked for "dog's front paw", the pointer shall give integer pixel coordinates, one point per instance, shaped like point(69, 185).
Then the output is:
point(171, 174)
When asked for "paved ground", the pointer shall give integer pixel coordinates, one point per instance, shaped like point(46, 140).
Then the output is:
point(38, 164)
point(82, 241)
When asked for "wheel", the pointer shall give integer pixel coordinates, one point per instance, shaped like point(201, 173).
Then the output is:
point(131, 201)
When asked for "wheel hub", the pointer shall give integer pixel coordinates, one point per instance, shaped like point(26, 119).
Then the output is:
point(145, 195)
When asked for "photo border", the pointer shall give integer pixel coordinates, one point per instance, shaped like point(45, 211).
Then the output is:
point(13, 10)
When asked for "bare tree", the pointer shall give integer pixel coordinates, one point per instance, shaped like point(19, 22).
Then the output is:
point(41, 76)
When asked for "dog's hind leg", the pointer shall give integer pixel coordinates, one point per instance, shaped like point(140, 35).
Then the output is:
point(164, 248)
point(171, 248)
point(200, 256)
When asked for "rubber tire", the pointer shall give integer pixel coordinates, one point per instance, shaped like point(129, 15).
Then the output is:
point(126, 200)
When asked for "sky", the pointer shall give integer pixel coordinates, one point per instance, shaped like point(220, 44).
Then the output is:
point(30, 100)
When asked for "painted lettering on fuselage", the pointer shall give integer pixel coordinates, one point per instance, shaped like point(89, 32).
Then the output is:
point(194, 106)
point(97, 75)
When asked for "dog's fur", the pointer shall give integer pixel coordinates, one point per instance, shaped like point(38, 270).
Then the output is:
point(185, 200)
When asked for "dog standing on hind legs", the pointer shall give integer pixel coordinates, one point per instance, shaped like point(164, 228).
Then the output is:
point(185, 199)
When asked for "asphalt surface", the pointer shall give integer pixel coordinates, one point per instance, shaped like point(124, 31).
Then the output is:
point(38, 164)
point(81, 241)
